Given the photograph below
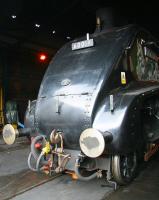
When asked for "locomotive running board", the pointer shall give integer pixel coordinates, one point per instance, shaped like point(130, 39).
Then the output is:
point(152, 150)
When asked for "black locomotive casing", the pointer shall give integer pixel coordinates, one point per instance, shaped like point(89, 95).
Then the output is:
point(75, 92)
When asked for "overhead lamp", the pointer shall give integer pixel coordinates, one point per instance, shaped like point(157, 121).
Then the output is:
point(42, 57)
point(37, 25)
point(13, 16)
point(68, 37)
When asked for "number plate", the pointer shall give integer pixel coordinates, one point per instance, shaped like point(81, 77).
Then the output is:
point(83, 44)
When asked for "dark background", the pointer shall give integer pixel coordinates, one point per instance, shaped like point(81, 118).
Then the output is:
point(68, 17)
point(21, 42)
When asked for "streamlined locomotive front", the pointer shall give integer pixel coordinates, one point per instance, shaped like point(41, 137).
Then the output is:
point(92, 105)
point(75, 97)
point(71, 91)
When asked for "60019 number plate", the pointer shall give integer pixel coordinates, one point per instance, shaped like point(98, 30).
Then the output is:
point(83, 44)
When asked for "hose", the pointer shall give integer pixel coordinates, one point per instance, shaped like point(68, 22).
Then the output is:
point(34, 154)
point(38, 161)
point(29, 162)
point(33, 149)
point(83, 178)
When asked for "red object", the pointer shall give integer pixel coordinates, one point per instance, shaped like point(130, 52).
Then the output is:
point(42, 57)
point(46, 167)
point(38, 146)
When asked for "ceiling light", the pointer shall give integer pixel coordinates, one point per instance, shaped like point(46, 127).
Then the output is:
point(68, 37)
point(42, 57)
point(53, 31)
point(37, 25)
point(13, 16)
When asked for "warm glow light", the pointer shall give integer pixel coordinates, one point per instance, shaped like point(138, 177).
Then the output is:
point(42, 57)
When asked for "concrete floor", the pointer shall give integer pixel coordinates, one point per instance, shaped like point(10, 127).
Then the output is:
point(15, 177)
point(19, 183)
point(17, 180)
point(64, 188)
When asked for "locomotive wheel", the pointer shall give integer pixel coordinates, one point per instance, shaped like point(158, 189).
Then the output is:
point(124, 168)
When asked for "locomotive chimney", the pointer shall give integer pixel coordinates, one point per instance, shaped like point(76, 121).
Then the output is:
point(107, 18)
point(104, 19)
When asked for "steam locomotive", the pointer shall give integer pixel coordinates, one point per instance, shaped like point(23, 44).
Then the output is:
point(97, 110)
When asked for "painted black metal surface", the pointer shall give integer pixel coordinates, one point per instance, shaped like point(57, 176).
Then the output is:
point(74, 93)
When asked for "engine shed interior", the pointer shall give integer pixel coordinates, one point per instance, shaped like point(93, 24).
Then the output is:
point(79, 100)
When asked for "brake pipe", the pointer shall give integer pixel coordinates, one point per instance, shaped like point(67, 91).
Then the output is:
point(83, 178)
